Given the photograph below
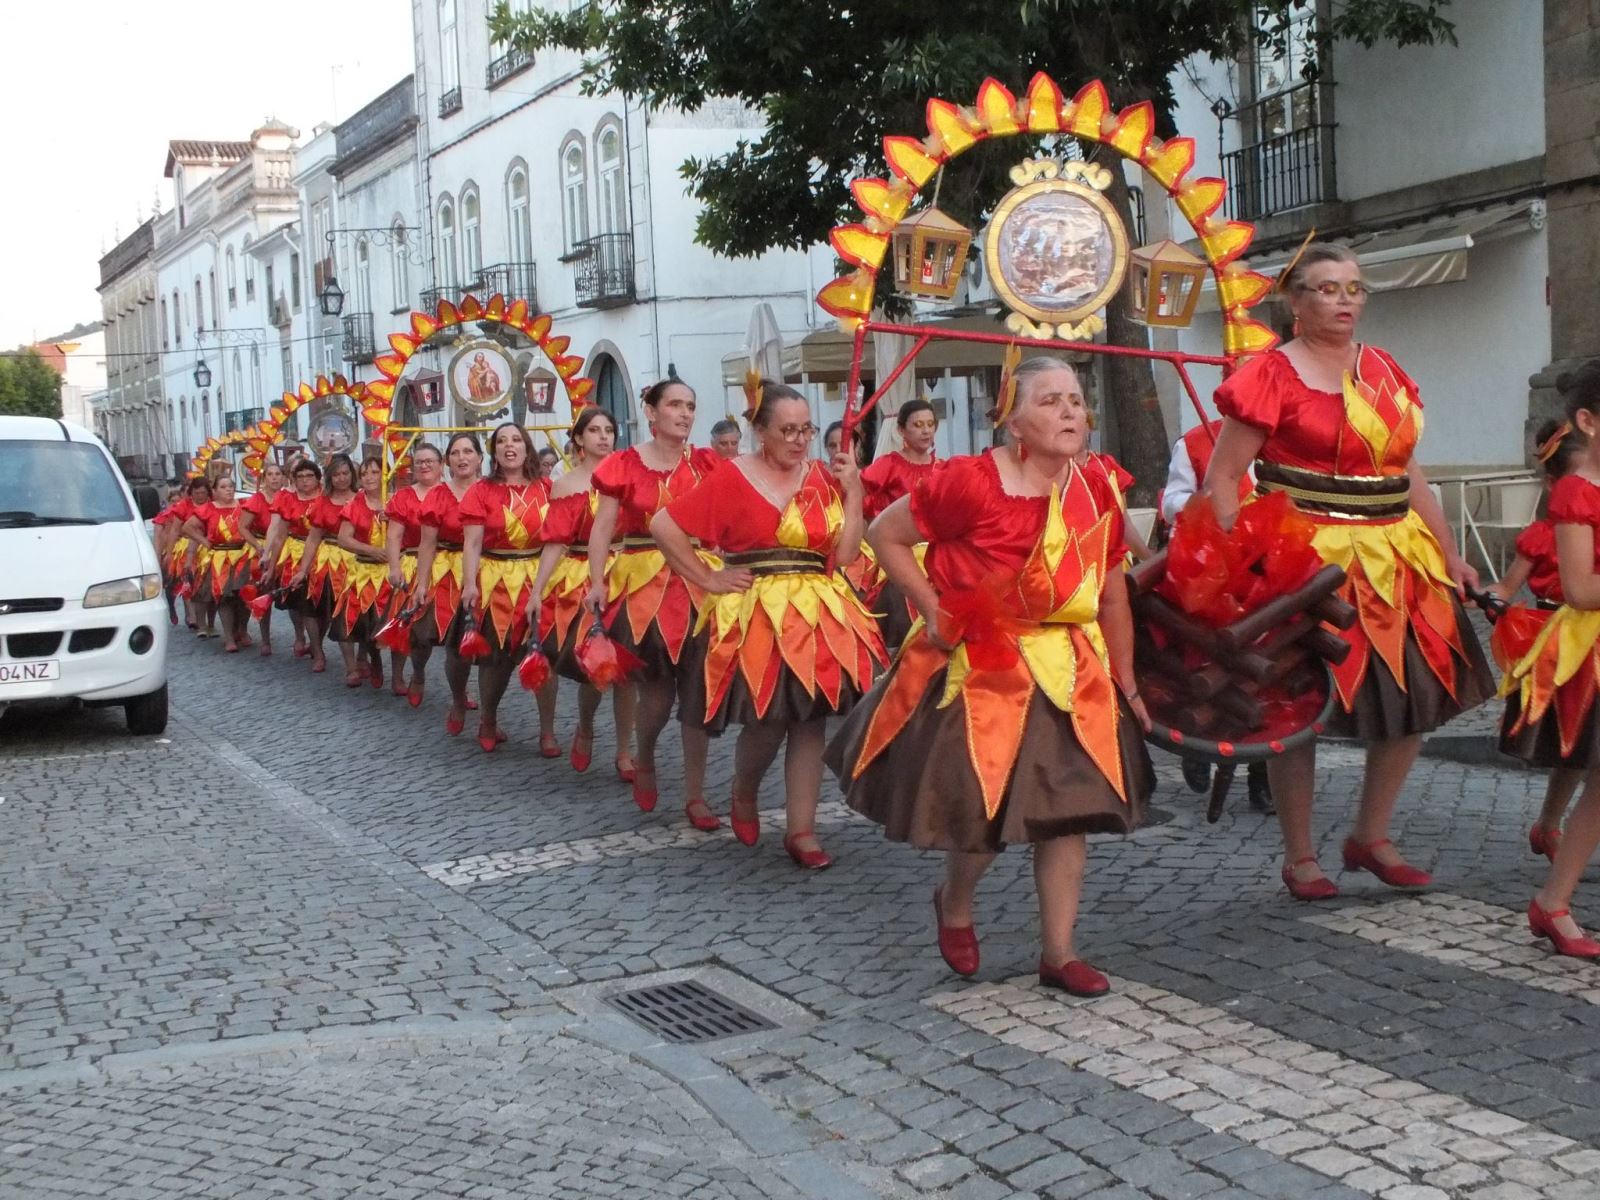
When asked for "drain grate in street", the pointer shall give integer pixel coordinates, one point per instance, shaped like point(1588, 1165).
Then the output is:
point(688, 1011)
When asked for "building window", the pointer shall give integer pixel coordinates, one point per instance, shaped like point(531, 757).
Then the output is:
point(199, 308)
point(164, 341)
point(272, 292)
point(447, 243)
point(294, 281)
point(608, 172)
point(363, 296)
point(575, 193)
point(211, 286)
point(233, 280)
point(238, 374)
point(471, 235)
point(400, 265)
point(521, 228)
point(449, 54)
point(286, 367)
point(249, 272)
point(177, 319)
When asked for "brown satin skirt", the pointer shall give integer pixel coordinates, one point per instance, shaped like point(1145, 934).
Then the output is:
point(1539, 745)
point(790, 703)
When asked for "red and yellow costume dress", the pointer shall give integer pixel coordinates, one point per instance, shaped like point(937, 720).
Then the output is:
point(326, 578)
point(1343, 459)
point(230, 563)
point(649, 608)
point(258, 507)
point(798, 645)
point(405, 509)
point(563, 619)
point(1519, 625)
point(883, 481)
point(178, 512)
point(1550, 689)
point(512, 517)
point(362, 600)
point(1019, 734)
point(296, 516)
point(442, 512)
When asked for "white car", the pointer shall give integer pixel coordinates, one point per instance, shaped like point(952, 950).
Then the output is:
point(81, 607)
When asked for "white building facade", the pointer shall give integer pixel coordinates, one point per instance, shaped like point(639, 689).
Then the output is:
point(131, 416)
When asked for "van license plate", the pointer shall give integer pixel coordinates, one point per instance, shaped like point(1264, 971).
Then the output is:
point(29, 672)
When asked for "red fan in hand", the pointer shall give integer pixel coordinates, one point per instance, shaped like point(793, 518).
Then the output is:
point(605, 662)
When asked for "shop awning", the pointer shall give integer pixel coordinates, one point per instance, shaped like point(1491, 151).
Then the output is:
point(1429, 252)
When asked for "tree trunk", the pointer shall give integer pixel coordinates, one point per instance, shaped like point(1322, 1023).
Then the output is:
point(1142, 442)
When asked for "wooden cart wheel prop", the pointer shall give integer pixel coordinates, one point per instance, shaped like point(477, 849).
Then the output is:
point(1197, 746)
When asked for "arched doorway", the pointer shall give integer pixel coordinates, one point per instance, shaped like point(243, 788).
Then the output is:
point(611, 393)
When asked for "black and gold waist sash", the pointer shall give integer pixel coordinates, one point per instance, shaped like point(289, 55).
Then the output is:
point(513, 555)
point(1352, 497)
point(780, 560)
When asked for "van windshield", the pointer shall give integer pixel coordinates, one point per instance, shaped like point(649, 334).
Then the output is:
point(58, 483)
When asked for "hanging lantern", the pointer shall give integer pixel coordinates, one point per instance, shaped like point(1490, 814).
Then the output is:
point(929, 251)
point(1164, 284)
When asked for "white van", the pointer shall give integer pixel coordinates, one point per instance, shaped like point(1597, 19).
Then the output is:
point(81, 608)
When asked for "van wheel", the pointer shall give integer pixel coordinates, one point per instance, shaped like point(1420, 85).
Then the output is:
point(147, 715)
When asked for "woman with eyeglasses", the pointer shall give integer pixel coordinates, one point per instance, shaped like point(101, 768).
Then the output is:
point(258, 507)
point(641, 601)
point(285, 554)
point(323, 566)
point(502, 524)
point(438, 585)
point(889, 477)
point(1334, 422)
point(404, 514)
point(783, 643)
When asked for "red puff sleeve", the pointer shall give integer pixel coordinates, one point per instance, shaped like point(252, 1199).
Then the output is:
point(404, 507)
point(1254, 393)
point(945, 501)
point(1123, 476)
point(701, 512)
point(611, 477)
point(1537, 541)
point(282, 502)
point(1575, 501)
point(479, 504)
point(705, 461)
point(564, 519)
point(433, 508)
point(326, 515)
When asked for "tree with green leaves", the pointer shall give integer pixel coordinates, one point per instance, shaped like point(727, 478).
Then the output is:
point(29, 386)
point(831, 79)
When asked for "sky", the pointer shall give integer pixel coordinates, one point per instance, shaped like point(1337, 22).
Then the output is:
point(97, 88)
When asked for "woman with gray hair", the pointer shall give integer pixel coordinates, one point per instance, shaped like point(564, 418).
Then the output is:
point(1011, 713)
point(1335, 423)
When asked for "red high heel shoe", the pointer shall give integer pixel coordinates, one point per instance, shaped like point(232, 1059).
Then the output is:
point(581, 759)
point(645, 797)
point(1321, 888)
point(414, 694)
point(746, 829)
point(1544, 841)
point(375, 673)
point(488, 741)
point(626, 773)
point(1358, 857)
point(1075, 977)
point(701, 817)
point(958, 945)
point(811, 860)
point(549, 747)
point(1543, 924)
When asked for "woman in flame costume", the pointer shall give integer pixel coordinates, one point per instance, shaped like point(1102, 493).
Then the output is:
point(887, 478)
point(563, 583)
point(438, 584)
point(502, 522)
point(404, 514)
point(1550, 718)
point(782, 642)
point(173, 546)
point(1335, 424)
point(1002, 722)
point(642, 602)
point(324, 563)
point(1537, 565)
point(258, 505)
point(286, 553)
point(222, 559)
point(363, 595)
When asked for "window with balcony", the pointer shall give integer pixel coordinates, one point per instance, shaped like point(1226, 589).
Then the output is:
point(177, 320)
point(199, 309)
point(249, 272)
point(164, 339)
point(574, 192)
point(400, 265)
point(603, 275)
point(449, 60)
point(1285, 155)
point(505, 60)
point(471, 235)
point(294, 282)
point(447, 243)
point(520, 227)
point(232, 276)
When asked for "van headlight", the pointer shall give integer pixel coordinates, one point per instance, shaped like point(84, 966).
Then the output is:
point(123, 591)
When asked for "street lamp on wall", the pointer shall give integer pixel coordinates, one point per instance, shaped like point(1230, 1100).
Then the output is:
point(331, 298)
point(202, 374)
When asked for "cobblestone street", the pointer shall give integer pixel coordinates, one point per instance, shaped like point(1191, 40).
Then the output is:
point(308, 945)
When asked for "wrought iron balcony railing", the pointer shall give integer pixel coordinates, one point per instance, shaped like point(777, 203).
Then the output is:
point(513, 280)
point(603, 269)
point(504, 66)
point(1287, 161)
point(450, 102)
point(359, 346)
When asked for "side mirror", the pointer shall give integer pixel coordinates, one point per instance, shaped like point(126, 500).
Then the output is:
point(148, 500)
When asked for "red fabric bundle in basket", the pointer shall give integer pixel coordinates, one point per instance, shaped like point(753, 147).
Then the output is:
point(1220, 576)
point(605, 662)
